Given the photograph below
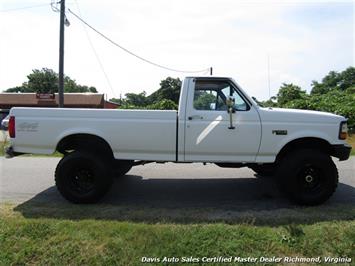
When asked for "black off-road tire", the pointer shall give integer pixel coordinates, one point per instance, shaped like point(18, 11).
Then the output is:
point(308, 177)
point(82, 177)
point(121, 167)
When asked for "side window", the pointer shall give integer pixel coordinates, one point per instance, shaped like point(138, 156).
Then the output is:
point(205, 99)
point(212, 96)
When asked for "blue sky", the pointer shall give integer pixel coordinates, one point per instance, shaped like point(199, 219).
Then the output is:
point(317, 14)
point(303, 39)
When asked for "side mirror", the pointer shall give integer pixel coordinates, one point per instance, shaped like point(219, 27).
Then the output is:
point(230, 104)
point(231, 109)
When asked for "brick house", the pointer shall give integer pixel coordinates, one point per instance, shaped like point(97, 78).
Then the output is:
point(71, 100)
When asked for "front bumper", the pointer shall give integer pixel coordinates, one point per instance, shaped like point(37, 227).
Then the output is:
point(341, 151)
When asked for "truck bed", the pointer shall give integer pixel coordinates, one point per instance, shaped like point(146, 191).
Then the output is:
point(136, 134)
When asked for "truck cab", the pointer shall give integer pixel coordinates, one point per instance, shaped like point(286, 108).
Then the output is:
point(212, 132)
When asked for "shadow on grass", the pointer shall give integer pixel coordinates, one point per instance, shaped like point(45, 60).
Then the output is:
point(241, 200)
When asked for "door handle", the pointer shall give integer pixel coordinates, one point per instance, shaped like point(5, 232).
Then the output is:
point(195, 117)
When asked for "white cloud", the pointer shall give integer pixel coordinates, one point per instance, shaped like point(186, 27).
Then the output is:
point(234, 37)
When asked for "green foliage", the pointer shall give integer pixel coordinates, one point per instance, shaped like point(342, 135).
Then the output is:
point(272, 102)
point(289, 92)
point(165, 104)
point(133, 99)
point(165, 98)
point(46, 81)
point(334, 80)
point(72, 87)
point(116, 100)
point(204, 100)
point(24, 89)
point(334, 101)
point(169, 89)
point(334, 94)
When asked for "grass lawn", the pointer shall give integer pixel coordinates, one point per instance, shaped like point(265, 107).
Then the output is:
point(2, 145)
point(63, 241)
point(2, 152)
point(351, 141)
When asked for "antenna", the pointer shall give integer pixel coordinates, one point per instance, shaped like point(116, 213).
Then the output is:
point(268, 72)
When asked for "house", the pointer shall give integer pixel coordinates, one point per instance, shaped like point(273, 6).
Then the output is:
point(71, 100)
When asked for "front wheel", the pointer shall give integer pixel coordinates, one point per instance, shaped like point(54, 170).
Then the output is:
point(308, 177)
point(82, 177)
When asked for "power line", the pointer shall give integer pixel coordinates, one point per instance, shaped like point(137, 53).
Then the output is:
point(22, 8)
point(96, 54)
point(131, 53)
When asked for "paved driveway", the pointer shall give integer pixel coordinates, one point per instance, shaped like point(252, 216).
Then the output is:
point(164, 185)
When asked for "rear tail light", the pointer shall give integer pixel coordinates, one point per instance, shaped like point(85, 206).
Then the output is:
point(12, 127)
point(343, 131)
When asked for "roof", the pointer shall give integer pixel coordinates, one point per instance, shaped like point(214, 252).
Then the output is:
point(70, 99)
point(208, 77)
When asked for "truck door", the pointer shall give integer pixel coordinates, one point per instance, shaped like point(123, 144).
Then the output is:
point(208, 135)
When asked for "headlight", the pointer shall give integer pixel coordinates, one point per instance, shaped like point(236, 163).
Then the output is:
point(343, 130)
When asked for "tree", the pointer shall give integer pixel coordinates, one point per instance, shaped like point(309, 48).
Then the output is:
point(46, 81)
point(165, 104)
point(135, 99)
point(43, 81)
point(289, 92)
point(23, 89)
point(272, 102)
point(165, 98)
point(347, 78)
point(169, 89)
point(335, 94)
point(203, 100)
point(335, 81)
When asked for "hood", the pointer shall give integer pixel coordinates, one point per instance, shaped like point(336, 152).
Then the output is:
point(295, 115)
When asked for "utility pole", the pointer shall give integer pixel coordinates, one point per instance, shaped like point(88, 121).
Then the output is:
point(211, 71)
point(61, 55)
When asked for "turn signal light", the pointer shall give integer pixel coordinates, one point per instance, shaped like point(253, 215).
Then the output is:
point(12, 127)
point(343, 131)
point(343, 135)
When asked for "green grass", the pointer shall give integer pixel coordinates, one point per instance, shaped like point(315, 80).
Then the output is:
point(351, 141)
point(2, 145)
point(55, 154)
point(61, 241)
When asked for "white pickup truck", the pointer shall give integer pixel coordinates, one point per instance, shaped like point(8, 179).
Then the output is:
point(217, 122)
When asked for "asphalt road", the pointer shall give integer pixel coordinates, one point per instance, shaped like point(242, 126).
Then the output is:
point(164, 185)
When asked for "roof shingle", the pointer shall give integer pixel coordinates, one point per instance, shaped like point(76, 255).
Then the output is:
point(93, 100)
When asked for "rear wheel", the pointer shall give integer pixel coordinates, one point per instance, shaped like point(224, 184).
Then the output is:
point(264, 169)
point(82, 177)
point(308, 177)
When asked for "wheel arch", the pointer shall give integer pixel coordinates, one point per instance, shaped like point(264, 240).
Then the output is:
point(305, 143)
point(85, 142)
